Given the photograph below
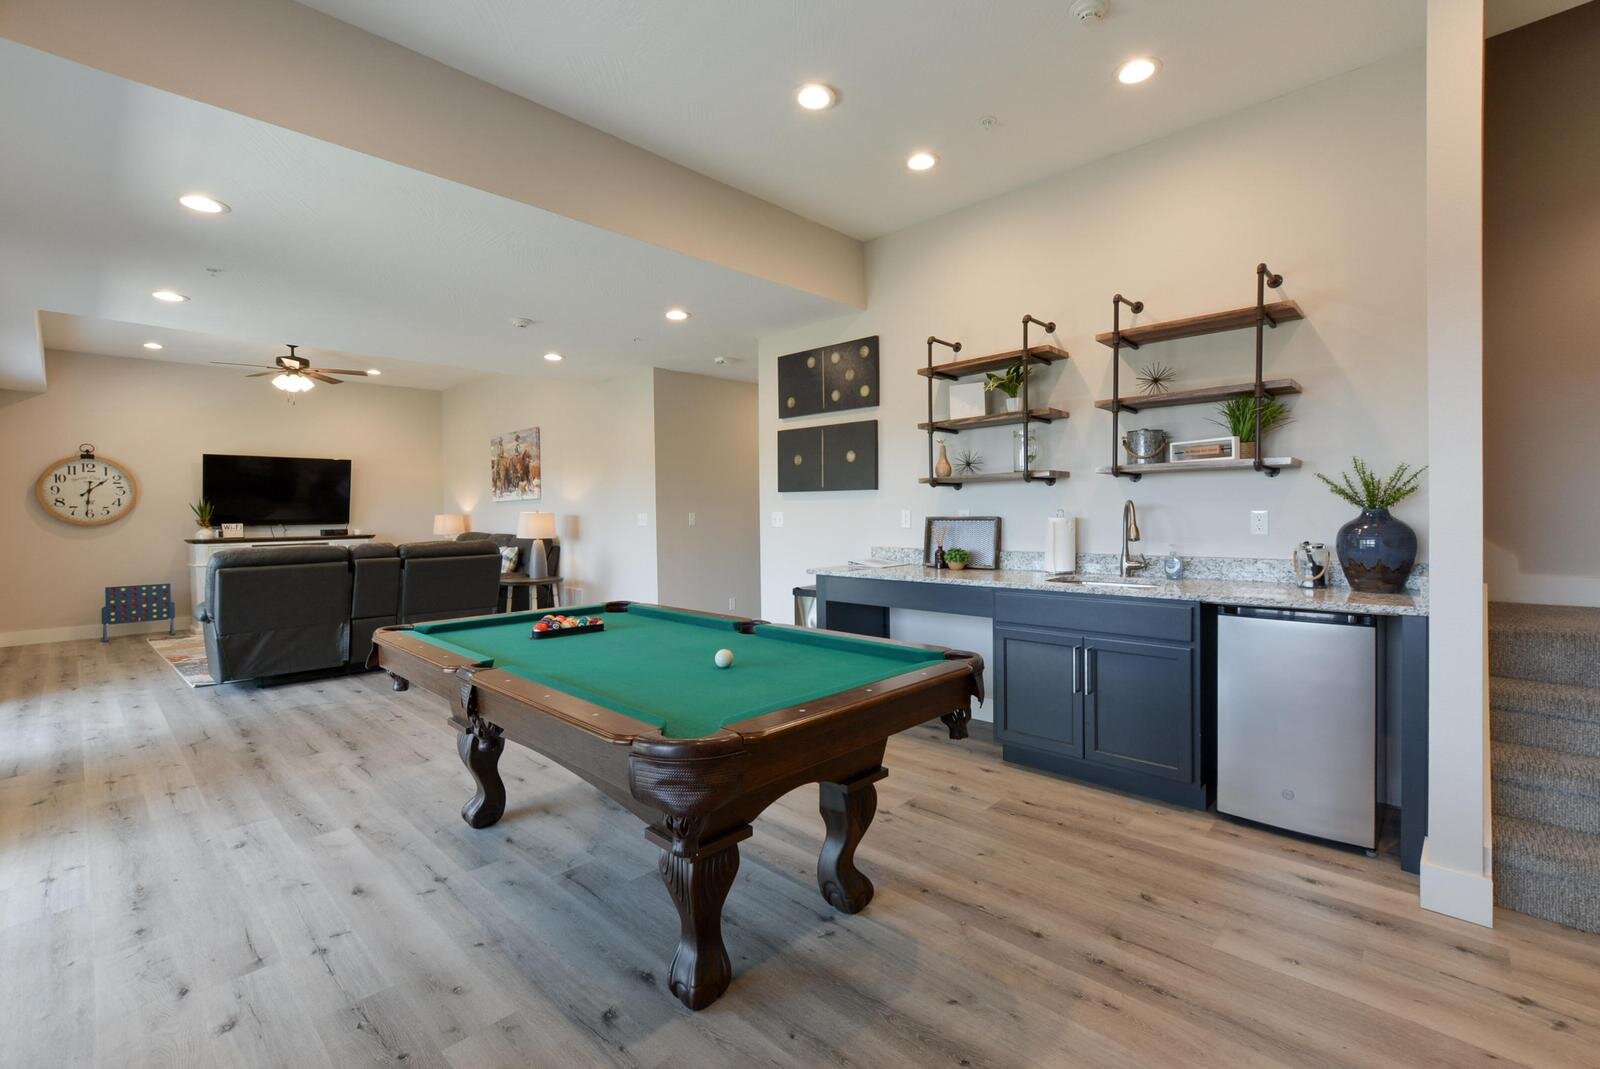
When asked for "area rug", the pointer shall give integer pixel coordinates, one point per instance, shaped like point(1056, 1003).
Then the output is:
point(186, 653)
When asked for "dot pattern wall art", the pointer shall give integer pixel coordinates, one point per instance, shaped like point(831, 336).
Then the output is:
point(839, 456)
point(834, 378)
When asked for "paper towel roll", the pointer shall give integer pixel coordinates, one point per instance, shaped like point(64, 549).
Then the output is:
point(1061, 545)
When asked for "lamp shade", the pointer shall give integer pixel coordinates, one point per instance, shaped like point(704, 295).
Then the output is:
point(450, 523)
point(536, 525)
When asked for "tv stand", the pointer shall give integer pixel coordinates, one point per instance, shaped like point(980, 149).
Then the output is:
point(202, 549)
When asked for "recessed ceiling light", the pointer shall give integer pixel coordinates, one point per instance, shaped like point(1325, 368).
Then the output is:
point(814, 96)
point(170, 296)
point(152, 345)
point(677, 315)
point(199, 202)
point(554, 358)
point(922, 161)
point(1139, 69)
point(374, 372)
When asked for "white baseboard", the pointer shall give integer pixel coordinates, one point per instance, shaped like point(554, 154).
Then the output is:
point(79, 632)
point(1467, 896)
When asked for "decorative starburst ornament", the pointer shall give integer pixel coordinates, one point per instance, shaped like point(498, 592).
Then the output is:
point(1156, 378)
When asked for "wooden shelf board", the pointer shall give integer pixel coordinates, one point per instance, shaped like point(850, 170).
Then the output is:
point(964, 369)
point(994, 477)
point(1210, 323)
point(1202, 395)
point(993, 419)
point(1203, 465)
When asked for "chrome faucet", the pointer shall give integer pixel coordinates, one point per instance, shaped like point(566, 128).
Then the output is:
point(1130, 533)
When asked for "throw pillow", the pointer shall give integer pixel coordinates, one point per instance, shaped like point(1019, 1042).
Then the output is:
point(508, 559)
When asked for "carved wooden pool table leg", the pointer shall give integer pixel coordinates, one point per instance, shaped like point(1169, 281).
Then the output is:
point(480, 745)
point(399, 682)
point(847, 810)
point(698, 877)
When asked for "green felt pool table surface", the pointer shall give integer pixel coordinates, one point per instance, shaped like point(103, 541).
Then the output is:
point(655, 664)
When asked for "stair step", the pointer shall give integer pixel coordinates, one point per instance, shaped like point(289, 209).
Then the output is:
point(1547, 699)
point(1547, 786)
point(1547, 872)
point(1549, 643)
point(1580, 737)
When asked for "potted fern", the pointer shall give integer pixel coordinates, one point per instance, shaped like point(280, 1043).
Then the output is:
point(1376, 550)
point(1238, 416)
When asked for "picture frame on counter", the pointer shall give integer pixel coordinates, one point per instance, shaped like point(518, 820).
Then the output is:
point(233, 530)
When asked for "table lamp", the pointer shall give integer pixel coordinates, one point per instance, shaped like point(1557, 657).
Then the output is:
point(449, 524)
point(541, 527)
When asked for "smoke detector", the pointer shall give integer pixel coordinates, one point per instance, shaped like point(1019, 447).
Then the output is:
point(521, 322)
point(1088, 10)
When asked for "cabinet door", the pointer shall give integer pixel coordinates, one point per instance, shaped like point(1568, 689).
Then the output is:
point(1039, 674)
point(1138, 707)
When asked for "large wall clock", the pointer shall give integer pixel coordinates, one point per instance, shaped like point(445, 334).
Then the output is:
point(87, 489)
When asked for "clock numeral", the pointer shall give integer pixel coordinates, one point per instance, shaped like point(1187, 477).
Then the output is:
point(59, 502)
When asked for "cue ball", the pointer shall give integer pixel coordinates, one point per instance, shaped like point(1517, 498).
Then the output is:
point(723, 658)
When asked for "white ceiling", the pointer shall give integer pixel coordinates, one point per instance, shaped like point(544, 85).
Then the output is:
point(326, 247)
point(85, 334)
point(710, 84)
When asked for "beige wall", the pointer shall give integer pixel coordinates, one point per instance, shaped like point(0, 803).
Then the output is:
point(1541, 267)
point(706, 466)
point(1326, 184)
point(598, 446)
point(158, 418)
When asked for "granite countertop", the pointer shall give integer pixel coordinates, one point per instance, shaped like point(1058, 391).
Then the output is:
point(1212, 591)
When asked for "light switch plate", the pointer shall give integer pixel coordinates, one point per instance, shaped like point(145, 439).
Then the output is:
point(1258, 521)
point(691, 519)
point(777, 519)
point(905, 517)
point(644, 519)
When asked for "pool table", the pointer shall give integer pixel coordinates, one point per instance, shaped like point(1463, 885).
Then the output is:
point(697, 752)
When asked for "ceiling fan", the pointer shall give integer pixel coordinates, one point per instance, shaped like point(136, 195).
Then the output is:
point(294, 374)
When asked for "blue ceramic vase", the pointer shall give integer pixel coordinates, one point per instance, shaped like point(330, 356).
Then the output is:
point(1377, 552)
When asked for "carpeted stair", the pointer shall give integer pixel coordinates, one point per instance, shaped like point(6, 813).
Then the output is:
point(1545, 702)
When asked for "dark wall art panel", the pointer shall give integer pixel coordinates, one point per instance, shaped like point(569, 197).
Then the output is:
point(832, 378)
point(840, 456)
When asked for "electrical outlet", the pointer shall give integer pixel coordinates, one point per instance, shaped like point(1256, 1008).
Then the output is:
point(644, 519)
point(777, 519)
point(1258, 521)
point(731, 603)
point(905, 517)
point(691, 519)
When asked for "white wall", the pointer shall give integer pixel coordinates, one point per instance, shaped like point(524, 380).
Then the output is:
point(1456, 865)
point(158, 418)
point(1541, 259)
point(706, 467)
point(598, 450)
point(1325, 184)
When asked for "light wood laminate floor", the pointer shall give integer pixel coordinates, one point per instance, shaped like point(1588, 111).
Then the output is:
point(249, 877)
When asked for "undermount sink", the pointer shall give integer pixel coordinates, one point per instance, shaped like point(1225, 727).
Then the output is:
point(1078, 580)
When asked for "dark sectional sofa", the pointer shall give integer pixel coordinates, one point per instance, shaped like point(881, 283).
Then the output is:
point(277, 611)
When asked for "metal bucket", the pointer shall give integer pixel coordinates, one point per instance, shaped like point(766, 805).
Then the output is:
point(1147, 445)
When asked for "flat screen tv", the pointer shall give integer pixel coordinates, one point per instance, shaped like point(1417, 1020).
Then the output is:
point(276, 490)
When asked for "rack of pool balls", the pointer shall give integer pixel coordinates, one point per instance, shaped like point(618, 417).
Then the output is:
point(554, 625)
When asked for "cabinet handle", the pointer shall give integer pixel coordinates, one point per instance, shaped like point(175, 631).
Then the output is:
point(1075, 681)
point(1088, 670)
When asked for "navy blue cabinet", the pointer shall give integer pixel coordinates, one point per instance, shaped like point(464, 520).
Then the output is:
point(1104, 689)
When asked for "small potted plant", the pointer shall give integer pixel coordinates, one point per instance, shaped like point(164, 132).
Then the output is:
point(203, 511)
point(1376, 550)
point(1008, 382)
point(957, 559)
point(1238, 416)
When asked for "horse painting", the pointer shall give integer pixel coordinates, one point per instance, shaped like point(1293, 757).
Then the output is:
point(514, 473)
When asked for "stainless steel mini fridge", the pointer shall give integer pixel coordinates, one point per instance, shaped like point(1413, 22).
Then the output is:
point(1297, 721)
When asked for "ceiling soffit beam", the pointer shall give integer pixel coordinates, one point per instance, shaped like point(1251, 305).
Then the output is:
point(294, 67)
